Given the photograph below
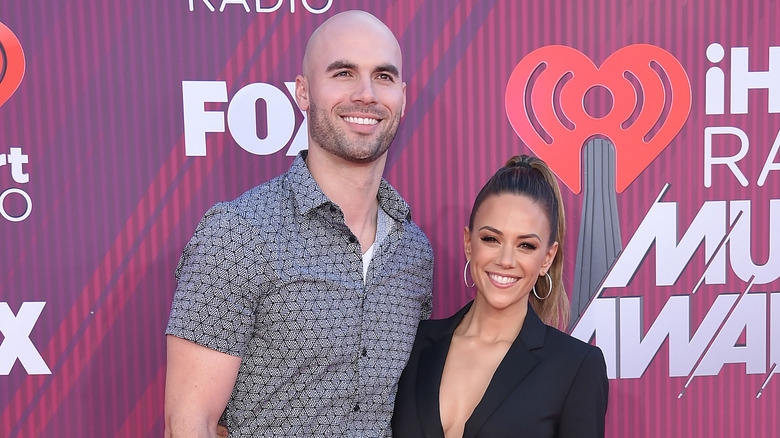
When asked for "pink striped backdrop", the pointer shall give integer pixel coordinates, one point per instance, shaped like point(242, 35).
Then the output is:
point(99, 116)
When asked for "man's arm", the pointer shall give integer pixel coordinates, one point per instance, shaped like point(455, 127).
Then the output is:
point(198, 384)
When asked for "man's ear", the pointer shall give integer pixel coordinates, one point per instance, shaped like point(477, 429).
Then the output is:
point(302, 93)
point(403, 107)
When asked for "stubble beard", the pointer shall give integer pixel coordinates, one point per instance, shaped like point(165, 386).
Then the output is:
point(334, 140)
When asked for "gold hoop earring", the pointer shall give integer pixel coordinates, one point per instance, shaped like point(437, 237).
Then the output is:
point(465, 271)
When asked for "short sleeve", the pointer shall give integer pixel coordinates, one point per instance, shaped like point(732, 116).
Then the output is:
point(216, 292)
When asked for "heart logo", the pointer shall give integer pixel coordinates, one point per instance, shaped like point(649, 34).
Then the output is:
point(545, 103)
point(11, 63)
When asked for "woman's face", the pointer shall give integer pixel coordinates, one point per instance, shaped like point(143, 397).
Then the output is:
point(509, 249)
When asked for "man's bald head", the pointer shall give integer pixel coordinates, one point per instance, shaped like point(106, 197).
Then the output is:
point(359, 24)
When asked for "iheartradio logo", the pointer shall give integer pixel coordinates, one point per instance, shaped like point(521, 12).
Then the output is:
point(546, 96)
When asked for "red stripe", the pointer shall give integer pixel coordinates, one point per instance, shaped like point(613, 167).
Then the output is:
point(62, 381)
point(146, 412)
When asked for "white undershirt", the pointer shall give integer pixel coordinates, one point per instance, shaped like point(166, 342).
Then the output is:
point(367, 260)
point(383, 225)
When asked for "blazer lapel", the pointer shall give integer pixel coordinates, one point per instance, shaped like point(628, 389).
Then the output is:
point(429, 376)
point(428, 384)
point(513, 369)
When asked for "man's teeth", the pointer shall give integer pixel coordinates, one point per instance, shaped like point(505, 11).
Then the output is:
point(361, 120)
point(502, 279)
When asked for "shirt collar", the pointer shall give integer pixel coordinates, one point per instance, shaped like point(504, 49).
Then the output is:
point(305, 190)
point(308, 195)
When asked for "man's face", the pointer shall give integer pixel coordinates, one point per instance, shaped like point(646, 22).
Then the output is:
point(354, 95)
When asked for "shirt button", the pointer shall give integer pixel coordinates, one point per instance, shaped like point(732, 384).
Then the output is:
point(352, 239)
point(332, 208)
point(364, 352)
point(356, 408)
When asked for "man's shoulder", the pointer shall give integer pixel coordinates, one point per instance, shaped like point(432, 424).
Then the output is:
point(262, 204)
point(260, 197)
point(416, 235)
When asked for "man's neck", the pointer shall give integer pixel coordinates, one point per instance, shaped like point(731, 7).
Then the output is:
point(353, 187)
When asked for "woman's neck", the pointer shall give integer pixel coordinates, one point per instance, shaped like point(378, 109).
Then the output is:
point(492, 325)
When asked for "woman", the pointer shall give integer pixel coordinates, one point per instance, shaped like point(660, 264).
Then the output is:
point(495, 369)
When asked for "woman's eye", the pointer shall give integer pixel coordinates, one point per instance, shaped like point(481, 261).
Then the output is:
point(529, 246)
point(489, 239)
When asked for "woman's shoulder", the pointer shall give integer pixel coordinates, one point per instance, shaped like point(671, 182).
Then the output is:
point(438, 326)
point(433, 329)
point(569, 345)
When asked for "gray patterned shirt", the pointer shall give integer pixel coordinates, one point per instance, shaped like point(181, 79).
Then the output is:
point(276, 277)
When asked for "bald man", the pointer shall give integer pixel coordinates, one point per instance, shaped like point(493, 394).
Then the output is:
point(298, 302)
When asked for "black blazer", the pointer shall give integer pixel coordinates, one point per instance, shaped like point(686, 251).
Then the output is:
point(549, 384)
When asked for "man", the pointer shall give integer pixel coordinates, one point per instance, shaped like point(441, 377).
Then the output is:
point(298, 302)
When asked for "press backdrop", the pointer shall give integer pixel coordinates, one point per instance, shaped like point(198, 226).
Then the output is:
point(123, 121)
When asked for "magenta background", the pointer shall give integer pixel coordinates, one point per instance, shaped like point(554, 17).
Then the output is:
point(99, 112)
